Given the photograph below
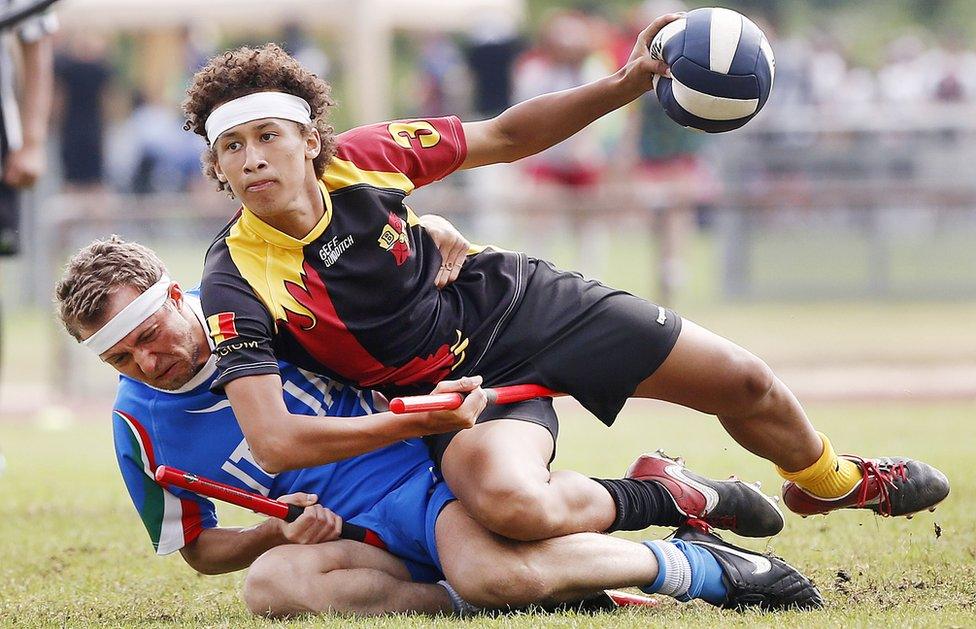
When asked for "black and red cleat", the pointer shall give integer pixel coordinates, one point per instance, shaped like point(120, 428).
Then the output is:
point(724, 504)
point(889, 486)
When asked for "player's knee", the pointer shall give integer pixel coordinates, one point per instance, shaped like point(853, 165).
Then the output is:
point(756, 379)
point(752, 382)
point(517, 510)
point(265, 587)
point(273, 586)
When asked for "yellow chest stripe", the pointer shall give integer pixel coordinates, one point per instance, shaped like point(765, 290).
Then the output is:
point(267, 269)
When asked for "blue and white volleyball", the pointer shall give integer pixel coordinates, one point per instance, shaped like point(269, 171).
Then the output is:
point(722, 69)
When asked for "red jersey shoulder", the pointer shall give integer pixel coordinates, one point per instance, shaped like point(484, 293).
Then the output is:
point(423, 150)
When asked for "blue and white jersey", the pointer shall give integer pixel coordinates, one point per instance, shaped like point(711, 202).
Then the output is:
point(196, 431)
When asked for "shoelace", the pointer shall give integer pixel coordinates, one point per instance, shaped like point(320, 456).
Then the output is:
point(884, 476)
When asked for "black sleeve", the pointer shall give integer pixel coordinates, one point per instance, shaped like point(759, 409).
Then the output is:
point(239, 323)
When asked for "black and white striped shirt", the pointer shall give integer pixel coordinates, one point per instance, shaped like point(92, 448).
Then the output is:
point(27, 31)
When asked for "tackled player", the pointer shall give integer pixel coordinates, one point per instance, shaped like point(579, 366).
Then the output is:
point(116, 298)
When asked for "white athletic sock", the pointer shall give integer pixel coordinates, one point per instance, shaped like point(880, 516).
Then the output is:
point(461, 606)
point(675, 566)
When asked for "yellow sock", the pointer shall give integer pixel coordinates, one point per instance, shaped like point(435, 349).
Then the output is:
point(829, 477)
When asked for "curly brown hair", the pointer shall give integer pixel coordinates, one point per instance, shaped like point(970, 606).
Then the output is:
point(247, 70)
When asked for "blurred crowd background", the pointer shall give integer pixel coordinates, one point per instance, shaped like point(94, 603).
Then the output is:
point(119, 125)
point(856, 180)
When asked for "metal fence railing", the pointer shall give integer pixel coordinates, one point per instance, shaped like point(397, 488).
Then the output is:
point(813, 205)
point(823, 204)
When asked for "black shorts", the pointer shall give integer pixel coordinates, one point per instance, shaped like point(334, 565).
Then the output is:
point(580, 337)
point(9, 220)
point(537, 411)
point(576, 336)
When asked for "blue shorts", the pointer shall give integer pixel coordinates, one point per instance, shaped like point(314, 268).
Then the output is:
point(405, 519)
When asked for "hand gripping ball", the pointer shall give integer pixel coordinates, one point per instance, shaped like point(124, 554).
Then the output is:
point(721, 69)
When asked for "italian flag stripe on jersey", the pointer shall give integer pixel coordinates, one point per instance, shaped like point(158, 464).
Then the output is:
point(171, 522)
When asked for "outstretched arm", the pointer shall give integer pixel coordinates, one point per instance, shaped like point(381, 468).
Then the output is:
point(281, 440)
point(534, 125)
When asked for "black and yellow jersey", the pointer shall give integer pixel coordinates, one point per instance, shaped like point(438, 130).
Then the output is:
point(355, 298)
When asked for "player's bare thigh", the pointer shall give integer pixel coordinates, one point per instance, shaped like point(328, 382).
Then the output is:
point(340, 554)
point(709, 373)
point(485, 569)
point(487, 464)
point(500, 471)
point(290, 571)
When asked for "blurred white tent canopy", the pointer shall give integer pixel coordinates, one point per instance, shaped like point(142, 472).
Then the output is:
point(364, 28)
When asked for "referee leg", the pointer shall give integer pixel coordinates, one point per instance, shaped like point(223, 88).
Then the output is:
point(9, 235)
point(499, 470)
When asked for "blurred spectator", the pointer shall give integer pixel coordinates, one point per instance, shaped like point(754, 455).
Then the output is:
point(792, 84)
point(442, 80)
point(83, 74)
point(25, 106)
point(493, 46)
point(832, 83)
point(199, 45)
point(567, 176)
point(826, 69)
point(955, 71)
point(606, 36)
point(672, 179)
point(564, 58)
point(152, 152)
point(905, 77)
point(297, 43)
point(24, 116)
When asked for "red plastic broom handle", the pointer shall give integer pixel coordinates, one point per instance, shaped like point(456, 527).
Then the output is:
point(450, 401)
point(226, 493)
point(166, 475)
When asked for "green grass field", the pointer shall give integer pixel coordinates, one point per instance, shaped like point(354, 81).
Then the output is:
point(74, 553)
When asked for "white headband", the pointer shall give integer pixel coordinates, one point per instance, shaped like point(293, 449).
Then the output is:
point(130, 317)
point(254, 107)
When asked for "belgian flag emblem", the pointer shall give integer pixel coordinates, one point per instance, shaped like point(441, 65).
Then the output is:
point(222, 327)
point(393, 238)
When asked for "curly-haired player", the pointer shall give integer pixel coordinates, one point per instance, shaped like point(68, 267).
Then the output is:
point(233, 74)
point(331, 273)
